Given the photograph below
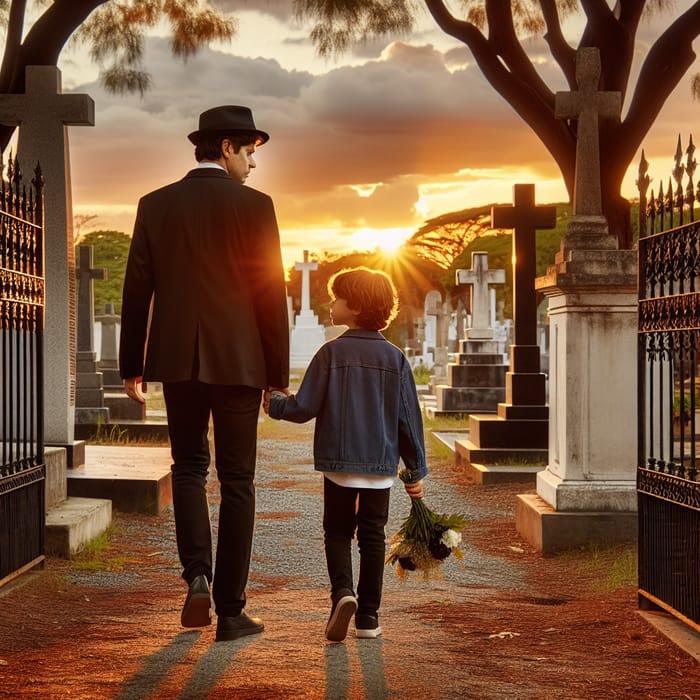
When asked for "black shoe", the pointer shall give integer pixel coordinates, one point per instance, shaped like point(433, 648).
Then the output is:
point(196, 611)
point(344, 607)
point(367, 627)
point(230, 628)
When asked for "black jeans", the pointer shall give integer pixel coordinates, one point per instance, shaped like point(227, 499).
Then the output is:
point(344, 511)
point(235, 411)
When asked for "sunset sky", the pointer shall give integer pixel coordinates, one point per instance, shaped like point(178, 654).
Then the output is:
point(363, 149)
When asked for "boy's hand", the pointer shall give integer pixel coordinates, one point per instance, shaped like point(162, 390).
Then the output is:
point(414, 490)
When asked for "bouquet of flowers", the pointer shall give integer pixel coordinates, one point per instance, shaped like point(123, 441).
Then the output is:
point(425, 540)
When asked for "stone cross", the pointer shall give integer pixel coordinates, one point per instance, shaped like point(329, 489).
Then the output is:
point(586, 106)
point(480, 278)
point(525, 218)
point(86, 273)
point(306, 268)
point(42, 114)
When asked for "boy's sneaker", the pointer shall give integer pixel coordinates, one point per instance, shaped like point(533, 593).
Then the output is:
point(344, 607)
point(367, 627)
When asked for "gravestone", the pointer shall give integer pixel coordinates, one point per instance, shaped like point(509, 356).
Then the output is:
point(480, 279)
point(108, 362)
point(90, 406)
point(120, 406)
point(500, 447)
point(307, 335)
point(43, 114)
point(587, 493)
point(437, 318)
point(476, 380)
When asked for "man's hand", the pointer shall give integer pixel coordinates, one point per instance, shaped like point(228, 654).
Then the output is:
point(268, 393)
point(131, 386)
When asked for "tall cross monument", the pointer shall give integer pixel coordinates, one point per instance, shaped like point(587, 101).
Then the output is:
point(586, 106)
point(42, 114)
point(518, 433)
point(307, 335)
point(587, 493)
point(306, 268)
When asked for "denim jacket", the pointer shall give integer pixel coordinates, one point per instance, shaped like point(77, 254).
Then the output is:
point(361, 391)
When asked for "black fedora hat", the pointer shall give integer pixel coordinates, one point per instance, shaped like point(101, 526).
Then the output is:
point(226, 120)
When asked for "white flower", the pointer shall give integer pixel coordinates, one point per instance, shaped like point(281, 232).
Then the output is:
point(451, 538)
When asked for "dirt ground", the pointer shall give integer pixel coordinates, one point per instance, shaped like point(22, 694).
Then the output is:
point(106, 625)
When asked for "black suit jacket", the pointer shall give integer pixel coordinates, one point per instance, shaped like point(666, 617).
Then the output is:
point(206, 251)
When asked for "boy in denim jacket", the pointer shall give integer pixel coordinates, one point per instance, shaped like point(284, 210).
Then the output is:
point(360, 389)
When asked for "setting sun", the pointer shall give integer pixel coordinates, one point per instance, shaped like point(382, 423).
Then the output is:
point(388, 240)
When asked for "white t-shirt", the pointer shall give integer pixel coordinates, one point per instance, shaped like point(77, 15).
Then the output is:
point(360, 481)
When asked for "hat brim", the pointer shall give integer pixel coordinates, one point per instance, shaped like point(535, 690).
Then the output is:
point(196, 136)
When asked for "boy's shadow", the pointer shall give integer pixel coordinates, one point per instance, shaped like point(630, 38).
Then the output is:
point(371, 663)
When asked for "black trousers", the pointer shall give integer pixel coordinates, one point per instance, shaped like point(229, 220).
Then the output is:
point(344, 511)
point(235, 411)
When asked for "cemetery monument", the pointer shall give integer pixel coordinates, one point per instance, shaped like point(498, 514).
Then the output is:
point(476, 381)
point(307, 335)
point(587, 493)
point(501, 447)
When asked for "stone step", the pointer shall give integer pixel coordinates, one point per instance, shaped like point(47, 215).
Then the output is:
point(519, 460)
point(488, 431)
point(136, 479)
point(70, 525)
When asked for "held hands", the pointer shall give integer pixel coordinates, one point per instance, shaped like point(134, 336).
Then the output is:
point(267, 394)
point(414, 490)
point(131, 387)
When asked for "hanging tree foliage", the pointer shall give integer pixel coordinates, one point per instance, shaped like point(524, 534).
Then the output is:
point(114, 30)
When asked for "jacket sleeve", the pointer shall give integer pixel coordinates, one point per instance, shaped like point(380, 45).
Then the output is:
point(269, 293)
point(308, 402)
point(136, 301)
point(411, 442)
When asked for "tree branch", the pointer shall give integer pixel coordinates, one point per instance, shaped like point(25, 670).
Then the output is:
point(553, 133)
point(45, 40)
point(13, 41)
point(504, 40)
point(563, 54)
point(666, 63)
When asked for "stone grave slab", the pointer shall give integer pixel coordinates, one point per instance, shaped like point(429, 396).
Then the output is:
point(137, 479)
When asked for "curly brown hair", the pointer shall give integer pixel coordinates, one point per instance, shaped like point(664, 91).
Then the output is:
point(370, 293)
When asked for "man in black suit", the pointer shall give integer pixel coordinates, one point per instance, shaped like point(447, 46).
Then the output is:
point(204, 296)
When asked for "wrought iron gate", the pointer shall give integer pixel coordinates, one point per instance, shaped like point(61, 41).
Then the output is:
point(22, 469)
point(669, 394)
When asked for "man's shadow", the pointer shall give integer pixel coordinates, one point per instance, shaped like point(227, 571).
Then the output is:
point(209, 668)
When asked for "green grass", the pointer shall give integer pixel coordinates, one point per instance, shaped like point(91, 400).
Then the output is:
point(612, 567)
point(422, 374)
point(445, 424)
point(95, 555)
point(106, 434)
